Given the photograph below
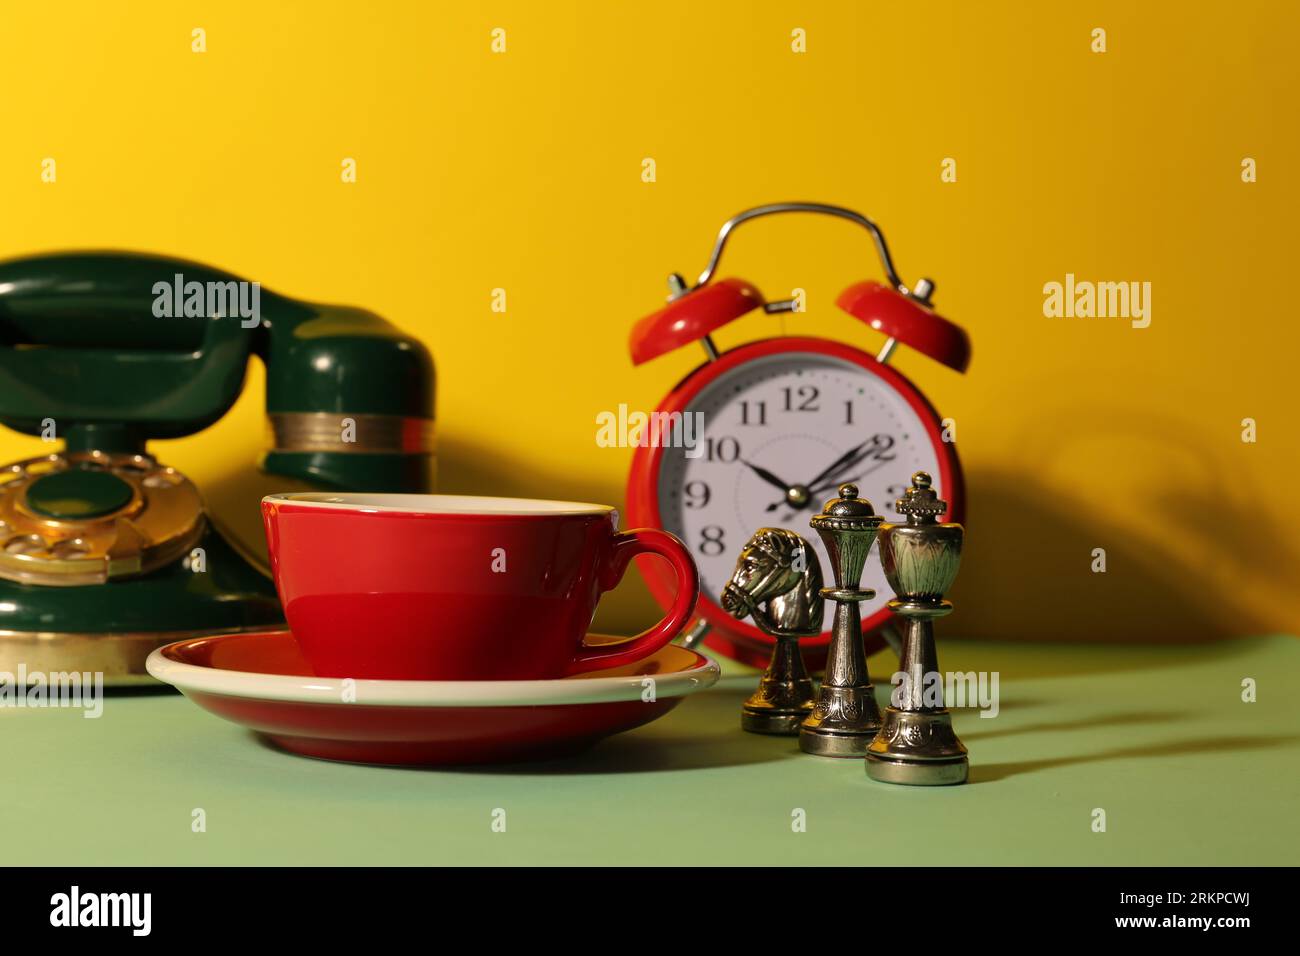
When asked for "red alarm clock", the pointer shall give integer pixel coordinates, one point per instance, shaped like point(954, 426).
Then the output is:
point(763, 434)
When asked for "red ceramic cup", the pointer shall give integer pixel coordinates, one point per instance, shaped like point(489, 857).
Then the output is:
point(447, 587)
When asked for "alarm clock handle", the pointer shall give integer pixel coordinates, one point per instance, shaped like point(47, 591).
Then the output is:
point(823, 209)
point(626, 546)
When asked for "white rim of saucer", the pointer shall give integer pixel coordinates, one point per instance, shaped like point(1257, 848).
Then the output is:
point(472, 505)
point(704, 672)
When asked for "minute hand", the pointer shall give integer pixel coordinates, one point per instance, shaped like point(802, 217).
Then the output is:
point(853, 481)
point(850, 457)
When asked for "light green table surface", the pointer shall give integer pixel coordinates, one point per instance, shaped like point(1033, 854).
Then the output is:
point(1158, 737)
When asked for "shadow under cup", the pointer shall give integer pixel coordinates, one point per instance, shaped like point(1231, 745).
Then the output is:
point(448, 587)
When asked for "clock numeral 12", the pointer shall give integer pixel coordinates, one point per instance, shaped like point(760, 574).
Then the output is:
point(807, 396)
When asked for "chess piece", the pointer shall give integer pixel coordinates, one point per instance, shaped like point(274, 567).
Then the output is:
point(778, 582)
point(916, 744)
point(846, 717)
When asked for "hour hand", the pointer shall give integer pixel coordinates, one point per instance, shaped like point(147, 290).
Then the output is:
point(766, 475)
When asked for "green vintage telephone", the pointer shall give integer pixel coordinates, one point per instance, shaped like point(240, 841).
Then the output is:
point(105, 553)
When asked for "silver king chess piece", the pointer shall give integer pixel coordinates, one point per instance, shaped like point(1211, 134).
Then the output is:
point(916, 744)
point(846, 717)
point(778, 583)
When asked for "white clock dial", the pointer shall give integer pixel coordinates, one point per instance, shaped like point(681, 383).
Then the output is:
point(779, 423)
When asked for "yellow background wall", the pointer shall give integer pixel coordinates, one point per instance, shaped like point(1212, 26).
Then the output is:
point(522, 170)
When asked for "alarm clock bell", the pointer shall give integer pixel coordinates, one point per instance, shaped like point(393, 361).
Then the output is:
point(903, 314)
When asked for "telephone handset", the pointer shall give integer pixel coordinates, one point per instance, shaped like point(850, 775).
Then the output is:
point(105, 351)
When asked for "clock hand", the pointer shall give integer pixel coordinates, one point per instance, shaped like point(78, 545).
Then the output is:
point(844, 461)
point(847, 460)
point(850, 481)
point(878, 449)
point(766, 475)
point(838, 481)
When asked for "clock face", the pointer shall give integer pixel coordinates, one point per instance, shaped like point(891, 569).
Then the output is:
point(780, 435)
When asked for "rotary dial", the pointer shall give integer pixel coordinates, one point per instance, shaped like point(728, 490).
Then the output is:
point(89, 517)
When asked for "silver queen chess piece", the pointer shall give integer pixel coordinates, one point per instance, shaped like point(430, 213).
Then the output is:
point(916, 744)
point(845, 718)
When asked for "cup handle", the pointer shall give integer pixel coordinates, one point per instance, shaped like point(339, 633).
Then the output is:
point(626, 546)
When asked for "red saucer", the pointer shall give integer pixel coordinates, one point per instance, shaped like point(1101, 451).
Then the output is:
point(261, 681)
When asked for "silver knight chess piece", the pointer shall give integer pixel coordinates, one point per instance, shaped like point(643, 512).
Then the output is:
point(778, 583)
point(845, 718)
point(916, 744)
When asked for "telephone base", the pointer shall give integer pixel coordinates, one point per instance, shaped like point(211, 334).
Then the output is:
point(111, 628)
point(118, 657)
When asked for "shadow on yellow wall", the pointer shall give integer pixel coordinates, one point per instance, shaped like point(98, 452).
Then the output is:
point(1179, 555)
